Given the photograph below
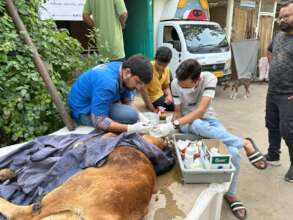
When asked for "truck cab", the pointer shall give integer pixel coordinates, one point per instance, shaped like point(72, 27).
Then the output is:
point(204, 41)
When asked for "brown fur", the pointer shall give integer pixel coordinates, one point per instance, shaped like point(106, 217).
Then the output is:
point(235, 84)
point(121, 189)
point(6, 174)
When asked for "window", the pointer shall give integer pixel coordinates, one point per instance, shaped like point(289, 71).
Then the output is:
point(170, 34)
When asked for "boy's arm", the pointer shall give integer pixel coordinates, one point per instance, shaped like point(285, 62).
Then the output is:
point(146, 99)
point(166, 88)
point(167, 93)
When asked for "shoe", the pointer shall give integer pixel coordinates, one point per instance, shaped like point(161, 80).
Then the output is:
point(273, 160)
point(289, 175)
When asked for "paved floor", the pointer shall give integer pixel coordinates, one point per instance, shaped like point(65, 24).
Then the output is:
point(266, 195)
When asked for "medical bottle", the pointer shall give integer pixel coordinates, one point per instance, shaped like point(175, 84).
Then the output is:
point(188, 158)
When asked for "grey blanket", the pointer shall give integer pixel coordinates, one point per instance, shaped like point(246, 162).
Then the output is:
point(46, 162)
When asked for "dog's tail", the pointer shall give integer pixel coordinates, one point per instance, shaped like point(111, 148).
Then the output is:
point(15, 212)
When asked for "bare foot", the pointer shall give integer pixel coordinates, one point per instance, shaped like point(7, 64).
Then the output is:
point(249, 149)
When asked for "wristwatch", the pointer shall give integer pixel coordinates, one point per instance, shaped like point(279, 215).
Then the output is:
point(176, 124)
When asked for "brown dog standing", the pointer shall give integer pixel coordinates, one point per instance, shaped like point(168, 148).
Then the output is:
point(235, 84)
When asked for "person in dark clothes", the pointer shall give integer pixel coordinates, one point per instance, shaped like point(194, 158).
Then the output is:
point(279, 103)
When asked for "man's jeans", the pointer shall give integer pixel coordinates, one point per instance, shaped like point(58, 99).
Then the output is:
point(121, 113)
point(279, 121)
point(212, 128)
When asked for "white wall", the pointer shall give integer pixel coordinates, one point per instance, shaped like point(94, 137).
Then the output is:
point(158, 6)
point(165, 9)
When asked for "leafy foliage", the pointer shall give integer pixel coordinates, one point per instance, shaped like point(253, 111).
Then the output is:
point(26, 109)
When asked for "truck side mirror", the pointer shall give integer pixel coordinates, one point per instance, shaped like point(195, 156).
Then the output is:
point(177, 45)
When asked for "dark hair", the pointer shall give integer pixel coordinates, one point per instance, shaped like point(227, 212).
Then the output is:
point(139, 66)
point(163, 54)
point(188, 69)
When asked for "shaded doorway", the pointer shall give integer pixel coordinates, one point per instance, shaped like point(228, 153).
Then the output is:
point(138, 34)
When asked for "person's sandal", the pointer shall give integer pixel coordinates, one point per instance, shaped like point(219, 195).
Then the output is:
point(256, 156)
point(236, 207)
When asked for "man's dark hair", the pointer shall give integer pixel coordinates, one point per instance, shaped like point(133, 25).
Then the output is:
point(188, 69)
point(163, 54)
point(139, 66)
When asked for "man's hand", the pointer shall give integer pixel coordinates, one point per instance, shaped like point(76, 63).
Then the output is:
point(140, 127)
point(88, 20)
point(163, 130)
point(290, 97)
point(168, 99)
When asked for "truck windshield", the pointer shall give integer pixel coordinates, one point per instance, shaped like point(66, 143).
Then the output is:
point(204, 38)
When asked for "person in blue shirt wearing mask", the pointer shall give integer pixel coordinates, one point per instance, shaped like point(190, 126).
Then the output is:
point(100, 97)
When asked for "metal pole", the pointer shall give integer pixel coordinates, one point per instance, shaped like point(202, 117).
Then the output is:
point(40, 66)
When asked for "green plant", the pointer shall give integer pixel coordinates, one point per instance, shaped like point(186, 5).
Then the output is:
point(92, 57)
point(26, 109)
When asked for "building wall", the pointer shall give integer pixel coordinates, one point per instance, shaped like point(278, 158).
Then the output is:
point(218, 14)
point(159, 8)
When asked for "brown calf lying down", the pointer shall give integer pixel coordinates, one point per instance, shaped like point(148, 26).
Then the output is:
point(119, 190)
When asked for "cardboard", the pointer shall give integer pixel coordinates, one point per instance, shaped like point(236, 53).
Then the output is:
point(217, 161)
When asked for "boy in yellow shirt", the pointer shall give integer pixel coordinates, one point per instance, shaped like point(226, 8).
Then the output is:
point(157, 92)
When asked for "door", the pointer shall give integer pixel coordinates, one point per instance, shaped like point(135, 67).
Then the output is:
point(244, 24)
point(138, 33)
point(265, 33)
point(171, 40)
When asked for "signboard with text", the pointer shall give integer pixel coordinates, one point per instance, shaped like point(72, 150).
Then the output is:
point(62, 10)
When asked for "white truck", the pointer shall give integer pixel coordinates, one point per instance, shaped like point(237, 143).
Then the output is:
point(181, 25)
point(195, 38)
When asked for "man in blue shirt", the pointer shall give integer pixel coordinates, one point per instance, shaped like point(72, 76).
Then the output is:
point(99, 97)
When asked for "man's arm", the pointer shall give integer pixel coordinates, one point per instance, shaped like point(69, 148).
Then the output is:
point(86, 14)
point(88, 20)
point(198, 113)
point(123, 19)
point(146, 99)
point(117, 127)
point(270, 52)
point(108, 124)
point(177, 112)
point(269, 56)
point(121, 11)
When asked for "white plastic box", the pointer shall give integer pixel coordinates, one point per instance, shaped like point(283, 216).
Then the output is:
point(200, 175)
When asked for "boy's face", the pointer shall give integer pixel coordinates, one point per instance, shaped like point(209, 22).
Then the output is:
point(160, 66)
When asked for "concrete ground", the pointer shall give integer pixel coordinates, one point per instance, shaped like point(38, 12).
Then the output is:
point(265, 193)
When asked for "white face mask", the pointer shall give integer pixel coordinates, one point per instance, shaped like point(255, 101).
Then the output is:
point(188, 91)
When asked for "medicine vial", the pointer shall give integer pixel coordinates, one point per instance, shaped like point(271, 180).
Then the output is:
point(188, 159)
